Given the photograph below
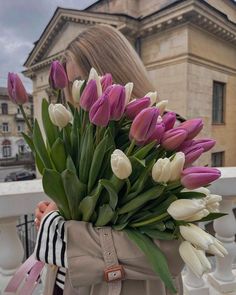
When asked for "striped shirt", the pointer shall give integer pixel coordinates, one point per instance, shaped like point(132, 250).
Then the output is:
point(51, 244)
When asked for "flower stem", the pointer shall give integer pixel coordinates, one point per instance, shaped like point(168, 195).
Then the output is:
point(131, 147)
point(152, 220)
point(25, 118)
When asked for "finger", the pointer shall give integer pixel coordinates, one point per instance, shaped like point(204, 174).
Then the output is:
point(38, 214)
point(43, 206)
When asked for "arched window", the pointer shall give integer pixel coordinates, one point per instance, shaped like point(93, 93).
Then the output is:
point(6, 148)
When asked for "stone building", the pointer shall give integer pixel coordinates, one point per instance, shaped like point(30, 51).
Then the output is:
point(188, 48)
point(12, 145)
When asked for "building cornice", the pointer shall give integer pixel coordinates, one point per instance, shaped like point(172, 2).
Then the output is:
point(63, 16)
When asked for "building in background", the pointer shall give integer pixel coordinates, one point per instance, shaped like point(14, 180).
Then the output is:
point(13, 148)
point(188, 48)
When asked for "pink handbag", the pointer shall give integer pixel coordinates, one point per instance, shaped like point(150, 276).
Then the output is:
point(26, 277)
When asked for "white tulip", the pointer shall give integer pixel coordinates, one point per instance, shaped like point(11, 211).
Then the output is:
point(176, 166)
point(59, 115)
point(93, 75)
point(161, 170)
point(128, 91)
point(212, 202)
point(76, 90)
point(199, 238)
point(202, 190)
point(152, 96)
point(161, 105)
point(188, 209)
point(195, 259)
point(120, 164)
point(159, 119)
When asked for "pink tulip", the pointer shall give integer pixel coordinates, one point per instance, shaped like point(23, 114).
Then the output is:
point(99, 113)
point(57, 77)
point(205, 143)
point(192, 153)
point(136, 106)
point(195, 177)
point(106, 81)
point(156, 136)
point(116, 97)
point(173, 138)
point(193, 127)
point(169, 119)
point(144, 124)
point(89, 95)
point(16, 89)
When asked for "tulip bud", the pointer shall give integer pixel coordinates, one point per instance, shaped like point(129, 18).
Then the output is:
point(188, 209)
point(99, 113)
point(161, 170)
point(192, 153)
point(57, 76)
point(156, 136)
point(161, 105)
point(16, 89)
point(136, 106)
point(169, 120)
point(202, 239)
point(153, 98)
point(128, 91)
point(144, 124)
point(193, 127)
point(120, 164)
point(194, 177)
point(213, 202)
point(76, 90)
point(173, 138)
point(195, 259)
point(116, 97)
point(59, 115)
point(106, 81)
point(89, 95)
point(205, 143)
point(93, 75)
point(176, 166)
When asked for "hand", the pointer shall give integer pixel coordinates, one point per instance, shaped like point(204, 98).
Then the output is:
point(42, 209)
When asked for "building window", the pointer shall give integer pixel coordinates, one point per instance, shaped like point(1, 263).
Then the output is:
point(20, 127)
point(4, 108)
point(218, 102)
point(5, 127)
point(6, 149)
point(217, 159)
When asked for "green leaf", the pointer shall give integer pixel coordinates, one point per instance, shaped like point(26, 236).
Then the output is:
point(72, 108)
point(29, 141)
point(144, 151)
point(58, 155)
point(88, 204)
point(40, 146)
point(70, 164)
point(105, 214)
point(75, 136)
point(97, 162)
point(141, 199)
point(113, 197)
point(190, 195)
point(158, 235)
point(87, 151)
point(120, 226)
point(154, 255)
point(53, 187)
point(75, 191)
point(66, 131)
point(212, 216)
point(39, 164)
point(50, 129)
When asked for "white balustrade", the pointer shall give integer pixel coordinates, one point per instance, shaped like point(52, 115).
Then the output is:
point(16, 199)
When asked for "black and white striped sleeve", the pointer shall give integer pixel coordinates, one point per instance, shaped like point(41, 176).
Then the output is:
point(51, 240)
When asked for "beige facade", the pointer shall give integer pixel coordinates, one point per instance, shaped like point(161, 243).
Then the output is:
point(12, 144)
point(185, 46)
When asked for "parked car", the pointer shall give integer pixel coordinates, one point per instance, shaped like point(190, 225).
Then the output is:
point(20, 175)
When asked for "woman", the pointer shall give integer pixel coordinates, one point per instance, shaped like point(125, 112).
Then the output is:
point(100, 261)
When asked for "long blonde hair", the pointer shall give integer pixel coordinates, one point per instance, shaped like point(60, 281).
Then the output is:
point(108, 51)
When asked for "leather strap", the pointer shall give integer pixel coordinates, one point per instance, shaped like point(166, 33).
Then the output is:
point(114, 272)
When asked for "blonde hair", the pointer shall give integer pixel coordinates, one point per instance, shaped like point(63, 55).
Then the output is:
point(108, 51)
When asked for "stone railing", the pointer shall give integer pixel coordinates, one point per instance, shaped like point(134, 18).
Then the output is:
point(19, 198)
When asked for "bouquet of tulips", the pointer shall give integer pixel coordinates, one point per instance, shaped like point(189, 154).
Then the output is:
point(124, 163)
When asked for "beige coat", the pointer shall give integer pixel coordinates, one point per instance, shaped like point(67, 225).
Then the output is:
point(92, 250)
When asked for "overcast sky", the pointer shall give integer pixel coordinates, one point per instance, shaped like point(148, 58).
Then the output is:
point(21, 24)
